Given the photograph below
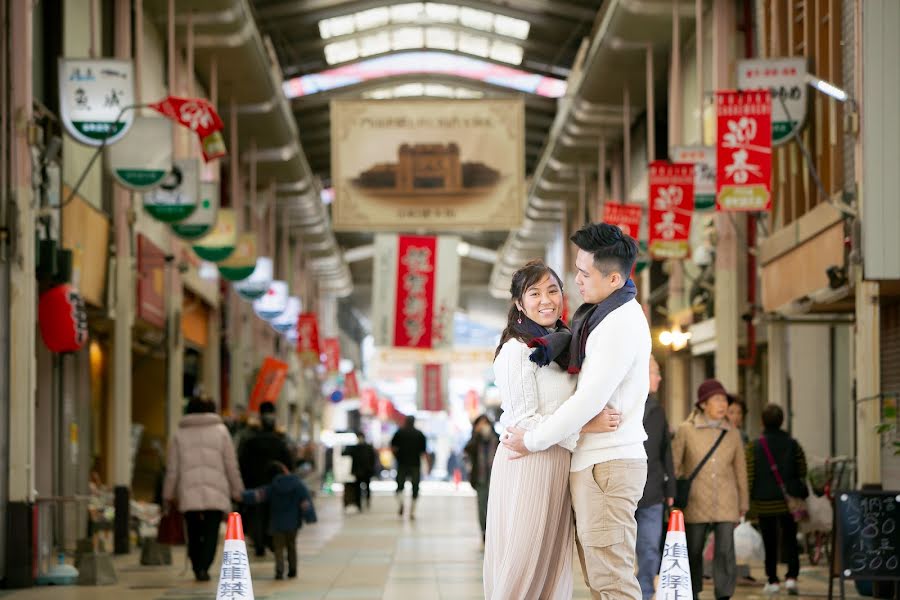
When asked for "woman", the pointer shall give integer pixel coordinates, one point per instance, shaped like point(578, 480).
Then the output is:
point(480, 452)
point(202, 478)
point(530, 532)
point(718, 497)
point(767, 499)
point(737, 413)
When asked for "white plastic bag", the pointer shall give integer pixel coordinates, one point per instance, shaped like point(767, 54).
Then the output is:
point(820, 513)
point(748, 544)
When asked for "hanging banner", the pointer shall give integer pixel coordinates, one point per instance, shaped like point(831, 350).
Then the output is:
point(704, 160)
point(351, 386)
point(203, 219)
point(143, 157)
point(178, 194)
point(428, 164)
point(431, 388)
point(92, 94)
point(287, 320)
point(331, 354)
point(257, 284)
point(415, 290)
point(269, 382)
point(308, 346)
point(785, 78)
point(198, 115)
point(242, 262)
point(671, 208)
point(743, 151)
point(273, 302)
point(220, 242)
point(626, 217)
point(368, 405)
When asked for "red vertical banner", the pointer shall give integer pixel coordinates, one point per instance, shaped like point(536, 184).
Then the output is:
point(432, 387)
point(368, 402)
point(308, 346)
point(413, 321)
point(744, 150)
point(626, 217)
point(331, 348)
point(269, 382)
point(351, 385)
point(671, 208)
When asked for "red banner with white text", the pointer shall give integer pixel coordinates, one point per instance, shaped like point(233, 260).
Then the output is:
point(198, 115)
point(415, 290)
point(626, 217)
point(308, 346)
point(331, 349)
point(744, 150)
point(671, 208)
point(432, 387)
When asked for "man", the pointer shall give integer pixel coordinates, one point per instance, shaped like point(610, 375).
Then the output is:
point(255, 456)
point(610, 350)
point(408, 445)
point(660, 487)
point(362, 468)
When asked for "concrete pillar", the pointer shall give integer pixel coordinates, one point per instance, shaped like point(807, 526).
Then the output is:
point(867, 342)
point(728, 248)
point(776, 334)
point(212, 364)
point(174, 341)
point(679, 397)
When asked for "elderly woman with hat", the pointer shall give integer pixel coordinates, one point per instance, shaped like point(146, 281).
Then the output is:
point(718, 492)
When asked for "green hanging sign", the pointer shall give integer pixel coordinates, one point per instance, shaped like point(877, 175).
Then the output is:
point(142, 159)
point(203, 219)
point(242, 262)
point(218, 244)
point(256, 286)
point(177, 196)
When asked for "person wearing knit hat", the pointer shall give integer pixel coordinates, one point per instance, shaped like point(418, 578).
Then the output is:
point(719, 492)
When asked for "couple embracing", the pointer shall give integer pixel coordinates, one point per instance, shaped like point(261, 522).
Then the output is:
point(573, 402)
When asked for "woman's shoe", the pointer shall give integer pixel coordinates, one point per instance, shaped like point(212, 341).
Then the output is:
point(791, 586)
point(772, 588)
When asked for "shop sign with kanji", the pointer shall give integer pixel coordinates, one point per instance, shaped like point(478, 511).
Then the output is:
point(704, 160)
point(626, 217)
point(785, 78)
point(671, 208)
point(743, 151)
point(308, 347)
point(92, 96)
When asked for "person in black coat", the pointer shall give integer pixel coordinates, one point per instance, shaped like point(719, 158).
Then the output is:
point(480, 452)
point(363, 469)
point(659, 490)
point(255, 457)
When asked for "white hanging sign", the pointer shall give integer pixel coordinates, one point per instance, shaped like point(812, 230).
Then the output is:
point(785, 78)
point(142, 159)
point(92, 96)
point(274, 302)
point(203, 219)
point(288, 319)
point(177, 196)
point(257, 284)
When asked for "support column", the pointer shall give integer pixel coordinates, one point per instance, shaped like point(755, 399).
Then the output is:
point(727, 250)
point(212, 364)
point(867, 342)
point(677, 374)
point(19, 250)
point(174, 341)
point(777, 336)
point(119, 436)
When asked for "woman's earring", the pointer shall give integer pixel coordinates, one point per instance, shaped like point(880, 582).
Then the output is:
point(519, 320)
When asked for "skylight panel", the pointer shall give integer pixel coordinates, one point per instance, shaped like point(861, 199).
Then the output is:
point(408, 90)
point(336, 26)
point(442, 13)
point(438, 91)
point(407, 13)
point(407, 38)
point(511, 27)
point(376, 43)
point(506, 52)
point(440, 38)
point(474, 44)
point(372, 18)
point(379, 94)
point(338, 52)
point(476, 19)
point(465, 93)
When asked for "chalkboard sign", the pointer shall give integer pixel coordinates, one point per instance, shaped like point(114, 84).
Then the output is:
point(868, 534)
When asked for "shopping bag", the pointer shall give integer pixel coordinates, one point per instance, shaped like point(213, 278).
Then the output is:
point(748, 544)
point(171, 528)
point(820, 514)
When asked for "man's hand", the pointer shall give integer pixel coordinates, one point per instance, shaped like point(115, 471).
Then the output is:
point(608, 420)
point(514, 439)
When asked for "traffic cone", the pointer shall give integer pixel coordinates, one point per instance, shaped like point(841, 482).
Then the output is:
point(234, 578)
point(675, 570)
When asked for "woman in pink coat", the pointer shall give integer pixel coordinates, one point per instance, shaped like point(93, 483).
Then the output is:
point(202, 478)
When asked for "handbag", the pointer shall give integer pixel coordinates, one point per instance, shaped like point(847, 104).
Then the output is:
point(683, 484)
point(796, 506)
point(171, 528)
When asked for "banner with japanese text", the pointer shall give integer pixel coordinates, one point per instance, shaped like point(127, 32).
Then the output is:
point(351, 385)
point(671, 208)
point(431, 387)
point(269, 382)
point(744, 151)
point(415, 290)
point(308, 346)
point(331, 350)
point(626, 217)
point(704, 160)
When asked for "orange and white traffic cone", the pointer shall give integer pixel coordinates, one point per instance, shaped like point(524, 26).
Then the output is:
point(234, 578)
point(675, 570)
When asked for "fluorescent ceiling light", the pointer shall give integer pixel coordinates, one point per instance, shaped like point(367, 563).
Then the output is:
point(442, 13)
point(406, 13)
point(374, 17)
point(408, 90)
point(510, 27)
point(338, 52)
point(476, 19)
point(437, 90)
point(440, 38)
point(827, 88)
point(474, 44)
point(329, 28)
point(376, 43)
point(407, 38)
point(506, 52)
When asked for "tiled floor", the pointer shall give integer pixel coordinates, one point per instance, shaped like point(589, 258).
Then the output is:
point(374, 555)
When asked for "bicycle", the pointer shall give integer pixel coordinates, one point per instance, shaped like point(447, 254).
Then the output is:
point(835, 473)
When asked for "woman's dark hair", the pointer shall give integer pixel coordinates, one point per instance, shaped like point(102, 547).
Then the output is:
point(772, 416)
point(199, 405)
point(735, 399)
point(531, 274)
point(481, 418)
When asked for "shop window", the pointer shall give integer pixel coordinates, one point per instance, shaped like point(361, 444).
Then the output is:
point(812, 29)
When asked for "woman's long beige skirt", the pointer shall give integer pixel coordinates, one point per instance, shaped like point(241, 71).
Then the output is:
point(530, 528)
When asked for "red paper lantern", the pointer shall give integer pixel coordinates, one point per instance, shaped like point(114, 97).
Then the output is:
point(62, 319)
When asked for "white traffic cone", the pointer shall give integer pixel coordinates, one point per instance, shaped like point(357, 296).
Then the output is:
point(234, 578)
point(675, 570)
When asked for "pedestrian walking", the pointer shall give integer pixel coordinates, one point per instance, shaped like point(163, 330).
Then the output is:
point(480, 451)
point(362, 468)
point(409, 447)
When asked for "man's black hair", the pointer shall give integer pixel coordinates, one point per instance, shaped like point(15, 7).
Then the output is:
point(613, 250)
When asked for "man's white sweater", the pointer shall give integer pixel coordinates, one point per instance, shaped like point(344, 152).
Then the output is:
point(615, 372)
